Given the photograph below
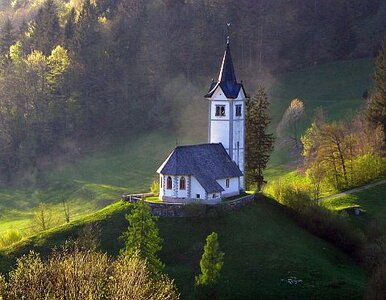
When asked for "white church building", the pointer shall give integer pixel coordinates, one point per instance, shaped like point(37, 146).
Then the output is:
point(209, 172)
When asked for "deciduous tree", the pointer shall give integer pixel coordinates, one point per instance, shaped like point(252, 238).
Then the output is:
point(288, 130)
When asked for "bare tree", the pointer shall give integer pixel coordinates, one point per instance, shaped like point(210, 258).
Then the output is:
point(42, 219)
point(288, 128)
point(66, 210)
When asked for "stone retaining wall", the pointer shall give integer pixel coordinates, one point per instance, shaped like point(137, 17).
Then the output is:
point(197, 209)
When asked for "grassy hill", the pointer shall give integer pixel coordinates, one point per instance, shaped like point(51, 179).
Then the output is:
point(100, 177)
point(263, 249)
point(371, 201)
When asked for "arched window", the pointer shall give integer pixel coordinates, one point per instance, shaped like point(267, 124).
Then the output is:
point(182, 183)
point(169, 183)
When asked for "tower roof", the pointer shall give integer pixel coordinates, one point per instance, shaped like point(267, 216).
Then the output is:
point(227, 77)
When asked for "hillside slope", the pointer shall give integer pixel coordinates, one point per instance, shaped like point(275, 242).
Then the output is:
point(103, 175)
point(371, 201)
point(263, 249)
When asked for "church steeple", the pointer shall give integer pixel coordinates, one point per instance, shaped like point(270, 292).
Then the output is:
point(226, 112)
point(227, 77)
point(227, 72)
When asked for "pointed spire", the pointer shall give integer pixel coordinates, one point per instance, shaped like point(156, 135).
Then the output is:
point(227, 77)
point(227, 72)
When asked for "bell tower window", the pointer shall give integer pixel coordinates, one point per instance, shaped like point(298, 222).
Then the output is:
point(220, 110)
point(238, 110)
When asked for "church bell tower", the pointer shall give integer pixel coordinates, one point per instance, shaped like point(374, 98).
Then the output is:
point(226, 120)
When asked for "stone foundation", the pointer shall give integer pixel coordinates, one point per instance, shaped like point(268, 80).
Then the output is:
point(199, 209)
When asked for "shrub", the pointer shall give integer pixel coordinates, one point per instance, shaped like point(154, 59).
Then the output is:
point(331, 226)
point(155, 187)
point(10, 237)
point(294, 195)
point(84, 275)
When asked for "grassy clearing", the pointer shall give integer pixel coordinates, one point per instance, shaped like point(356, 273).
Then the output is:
point(372, 201)
point(90, 183)
point(336, 87)
point(263, 248)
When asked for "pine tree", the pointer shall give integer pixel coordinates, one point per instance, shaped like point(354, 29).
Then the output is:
point(258, 143)
point(46, 29)
point(376, 110)
point(142, 236)
point(211, 262)
point(7, 37)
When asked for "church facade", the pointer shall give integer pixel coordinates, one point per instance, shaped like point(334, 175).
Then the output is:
point(210, 172)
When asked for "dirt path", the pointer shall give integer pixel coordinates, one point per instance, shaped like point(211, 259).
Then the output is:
point(352, 191)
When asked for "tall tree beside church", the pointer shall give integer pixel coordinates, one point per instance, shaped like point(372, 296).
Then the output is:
point(376, 109)
point(258, 143)
point(142, 236)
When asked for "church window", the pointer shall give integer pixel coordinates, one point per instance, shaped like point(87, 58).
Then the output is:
point(227, 182)
point(220, 110)
point(182, 183)
point(198, 196)
point(161, 181)
point(169, 183)
point(238, 110)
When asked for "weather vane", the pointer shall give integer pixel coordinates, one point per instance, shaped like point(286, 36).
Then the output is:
point(228, 30)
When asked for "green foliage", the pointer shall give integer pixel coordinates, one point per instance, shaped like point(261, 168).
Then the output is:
point(72, 273)
point(340, 155)
point(292, 194)
point(142, 236)
point(211, 262)
point(265, 227)
point(16, 52)
point(258, 143)
point(155, 187)
point(10, 237)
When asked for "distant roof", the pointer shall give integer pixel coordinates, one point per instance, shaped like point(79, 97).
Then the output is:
point(226, 78)
point(206, 162)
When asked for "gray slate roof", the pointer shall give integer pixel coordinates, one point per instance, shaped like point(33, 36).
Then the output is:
point(206, 162)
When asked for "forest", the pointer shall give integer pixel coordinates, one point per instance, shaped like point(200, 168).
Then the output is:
point(76, 73)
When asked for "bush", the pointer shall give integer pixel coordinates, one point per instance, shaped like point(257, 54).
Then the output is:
point(10, 237)
point(331, 226)
point(294, 195)
point(155, 187)
point(84, 275)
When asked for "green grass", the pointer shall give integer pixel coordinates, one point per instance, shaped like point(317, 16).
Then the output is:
point(90, 183)
point(262, 246)
point(102, 176)
point(371, 201)
point(336, 87)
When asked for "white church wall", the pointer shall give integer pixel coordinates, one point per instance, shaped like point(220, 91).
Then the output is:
point(233, 188)
point(162, 186)
point(219, 94)
point(197, 189)
point(220, 133)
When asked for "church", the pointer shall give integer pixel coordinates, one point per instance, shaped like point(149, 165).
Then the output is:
point(209, 172)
